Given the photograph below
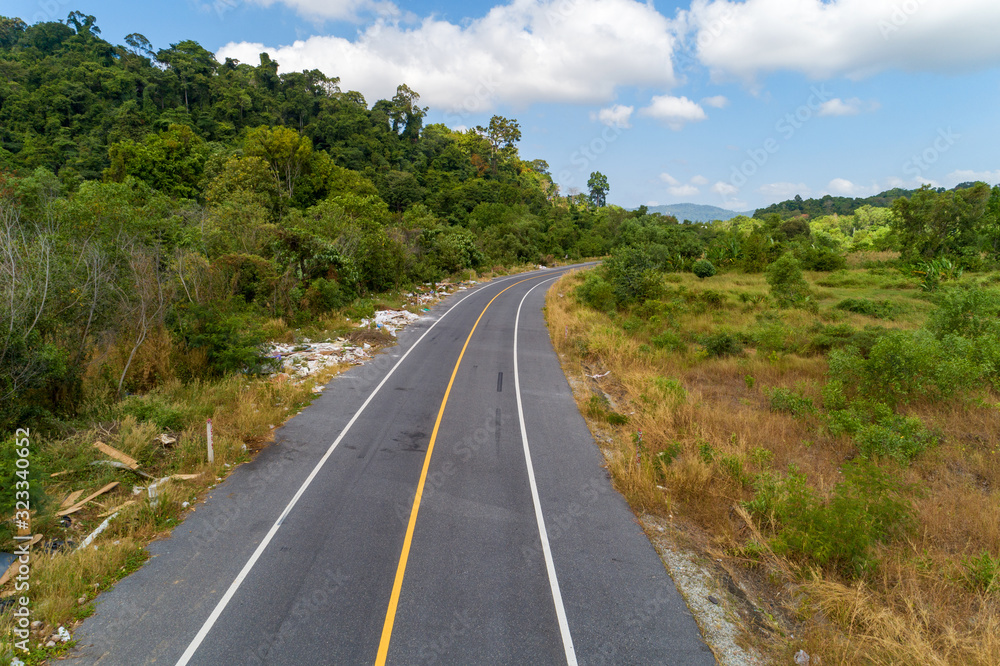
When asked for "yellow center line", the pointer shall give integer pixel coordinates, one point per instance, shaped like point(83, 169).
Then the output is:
point(397, 586)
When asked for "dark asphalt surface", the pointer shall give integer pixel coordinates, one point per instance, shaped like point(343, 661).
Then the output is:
point(476, 588)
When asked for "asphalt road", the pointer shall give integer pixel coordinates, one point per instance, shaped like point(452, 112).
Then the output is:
point(316, 552)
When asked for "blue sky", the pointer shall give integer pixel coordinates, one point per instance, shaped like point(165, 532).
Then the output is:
point(734, 104)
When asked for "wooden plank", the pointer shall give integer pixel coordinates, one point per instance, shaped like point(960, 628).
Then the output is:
point(116, 509)
point(131, 462)
point(54, 475)
point(79, 505)
point(185, 477)
point(71, 499)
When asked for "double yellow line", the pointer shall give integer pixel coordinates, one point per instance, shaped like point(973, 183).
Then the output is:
point(397, 586)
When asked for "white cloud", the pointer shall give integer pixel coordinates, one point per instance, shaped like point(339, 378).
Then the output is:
point(615, 116)
point(699, 180)
point(335, 9)
point(850, 107)
point(964, 176)
point(683, 190)
point(716, 102)
point(524, 52)
point(827, 38)
point(724, 189)
point(674, 111)
point(784, 191)
point(842, 187)
point(669, 180)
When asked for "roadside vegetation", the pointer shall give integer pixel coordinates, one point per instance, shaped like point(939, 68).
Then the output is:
point(817, 413)
point(163, 218)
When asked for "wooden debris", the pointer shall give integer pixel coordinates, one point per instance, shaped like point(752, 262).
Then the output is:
point(116, 509)
point(55, 474)
point(129, 461)
point(70, 499)
point(185, 477)
point(79, 505)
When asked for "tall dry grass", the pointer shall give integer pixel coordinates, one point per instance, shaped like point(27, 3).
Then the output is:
point(712, 417)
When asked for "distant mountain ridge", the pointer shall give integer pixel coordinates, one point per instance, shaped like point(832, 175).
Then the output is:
point(696, 212)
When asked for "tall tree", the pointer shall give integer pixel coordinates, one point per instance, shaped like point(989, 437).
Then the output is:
point(599, 188)
point(502, 134)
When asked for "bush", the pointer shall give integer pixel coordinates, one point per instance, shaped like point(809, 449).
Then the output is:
point(632, 274)
point(703, 268)
point(906, 366)
point(969, 313)
point(230, 342)
point(722, 344)
point(596, 292)
point(669, 340)
point(788, 287)
point(983, 572)
point(786, 400)
point(877, 309)
point(897, 437)
point(866, 508)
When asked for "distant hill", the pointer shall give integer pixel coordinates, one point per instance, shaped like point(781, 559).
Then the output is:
point(696, 212)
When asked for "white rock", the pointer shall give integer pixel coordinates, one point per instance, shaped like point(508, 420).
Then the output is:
point(802, 658)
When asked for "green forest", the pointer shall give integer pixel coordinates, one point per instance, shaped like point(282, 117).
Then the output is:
point(163, 216)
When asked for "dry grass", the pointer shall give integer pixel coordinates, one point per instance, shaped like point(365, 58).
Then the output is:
point(712, 416)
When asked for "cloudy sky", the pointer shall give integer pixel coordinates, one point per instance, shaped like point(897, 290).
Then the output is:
point(735, 104)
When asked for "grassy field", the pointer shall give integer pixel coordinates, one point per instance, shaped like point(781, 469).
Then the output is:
point(858, 504)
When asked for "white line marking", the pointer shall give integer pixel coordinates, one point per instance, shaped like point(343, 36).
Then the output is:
point(550, 566)
point(231, 592)
point(227, 597)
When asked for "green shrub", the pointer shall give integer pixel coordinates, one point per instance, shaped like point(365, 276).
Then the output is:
point(703, 268)
point(878, 309)
point(711, 298)
point(722, 343)
point(669, 453)
point(969, 313)
point(866, 508)
point(788, 401)
point(897, 437)
point(669, 340)
point(614, 418)
point(231, 342)
point(156, 410)
point(788, 287)
point(905, 366)
point(632, 274)
point(596, 292)
point(983, 572)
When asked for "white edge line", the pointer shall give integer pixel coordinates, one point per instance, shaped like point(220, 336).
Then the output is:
point(231, 592)
point(227, 597)
point(550, 566)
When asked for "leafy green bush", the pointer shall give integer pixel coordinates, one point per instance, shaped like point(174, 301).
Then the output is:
point(820, 259)
point(878, 309)
point(906, 366)
point(596, 292)
point(703, 268)
point(669, 340)
point(722, 343)
point(16, 477)
point(969, 313)
point(788, 287)
point(983, 572)
point(154, 409)
point(868, 507)
point(632, 274)
point(231, 342)
point(897, 437)
point(786, 400)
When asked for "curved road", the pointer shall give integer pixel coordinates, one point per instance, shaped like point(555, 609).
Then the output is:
point(444, 503)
